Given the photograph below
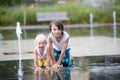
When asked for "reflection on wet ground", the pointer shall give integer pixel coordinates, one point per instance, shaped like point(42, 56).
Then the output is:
point(85, 68)
point(105, 73)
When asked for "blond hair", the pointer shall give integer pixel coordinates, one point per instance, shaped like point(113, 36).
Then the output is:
point(40, 37)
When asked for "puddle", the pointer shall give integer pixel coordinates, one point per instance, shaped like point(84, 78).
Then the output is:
point(85, 68)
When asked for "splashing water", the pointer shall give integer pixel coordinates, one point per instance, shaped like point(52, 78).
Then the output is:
point(18, 33)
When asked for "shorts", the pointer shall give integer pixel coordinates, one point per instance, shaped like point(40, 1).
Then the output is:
point(42, 63)
point(66, 62)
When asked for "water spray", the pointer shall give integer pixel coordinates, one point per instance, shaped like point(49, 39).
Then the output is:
point(18, 33)
point(114, 27)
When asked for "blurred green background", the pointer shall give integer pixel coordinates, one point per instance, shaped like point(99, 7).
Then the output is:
point(24, 11)
point(78, 10)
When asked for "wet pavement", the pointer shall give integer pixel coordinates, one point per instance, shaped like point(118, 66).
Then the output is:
point(82, 70)
point(95, 58)
point(81, 46)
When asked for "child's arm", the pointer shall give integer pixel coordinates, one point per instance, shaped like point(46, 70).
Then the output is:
point(48, 58)
point(62, 53)
point(35, 59)
point(50, 49)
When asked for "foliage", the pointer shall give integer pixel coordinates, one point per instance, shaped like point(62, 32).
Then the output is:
point(9, 3)
point(76, 12)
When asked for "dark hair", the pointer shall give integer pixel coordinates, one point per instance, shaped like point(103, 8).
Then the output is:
point(58, 23)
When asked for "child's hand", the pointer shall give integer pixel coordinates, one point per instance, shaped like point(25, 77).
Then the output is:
point(37, 68)
point(56, 66)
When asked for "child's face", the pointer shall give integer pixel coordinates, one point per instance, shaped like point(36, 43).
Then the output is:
point(41, 44)
point(56, 31)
